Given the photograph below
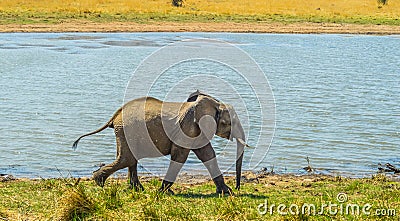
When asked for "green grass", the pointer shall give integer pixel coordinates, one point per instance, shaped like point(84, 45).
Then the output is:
point(66, 199)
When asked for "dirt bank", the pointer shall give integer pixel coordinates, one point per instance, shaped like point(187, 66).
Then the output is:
point(304, 28)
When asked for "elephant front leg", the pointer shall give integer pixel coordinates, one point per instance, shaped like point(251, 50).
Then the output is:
point(207, 155)
point(178, 158)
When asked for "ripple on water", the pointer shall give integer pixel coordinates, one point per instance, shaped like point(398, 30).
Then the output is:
point(336, 99)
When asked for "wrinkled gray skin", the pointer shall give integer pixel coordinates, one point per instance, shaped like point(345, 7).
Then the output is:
point(149, 111)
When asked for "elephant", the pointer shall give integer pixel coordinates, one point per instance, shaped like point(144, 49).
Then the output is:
point(148, 127)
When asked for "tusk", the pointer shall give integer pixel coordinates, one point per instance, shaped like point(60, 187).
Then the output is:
point(243, 143)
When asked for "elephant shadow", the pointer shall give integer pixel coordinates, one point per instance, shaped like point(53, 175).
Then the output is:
point(215, 195)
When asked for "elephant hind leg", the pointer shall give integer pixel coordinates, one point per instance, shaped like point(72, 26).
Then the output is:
point(133, 178)
point(124, 159)
point(104, 172)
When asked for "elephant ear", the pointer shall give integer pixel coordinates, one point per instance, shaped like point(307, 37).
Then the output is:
point(193, 96)
point(206, 114)
point(206, 106)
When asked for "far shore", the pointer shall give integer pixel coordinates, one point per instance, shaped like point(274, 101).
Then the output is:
point(233, 27)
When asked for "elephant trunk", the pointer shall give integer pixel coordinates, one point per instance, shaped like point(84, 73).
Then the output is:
point(238, 133)
point(239, 161)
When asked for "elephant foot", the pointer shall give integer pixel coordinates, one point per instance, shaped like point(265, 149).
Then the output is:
point(169, 192)
point(166, 187)
point(137, 186)
point(222, 188)
point(99, 178)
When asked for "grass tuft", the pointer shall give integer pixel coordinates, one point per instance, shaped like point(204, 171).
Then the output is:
point(112, 196)
point(231, 208)
point(75, 204)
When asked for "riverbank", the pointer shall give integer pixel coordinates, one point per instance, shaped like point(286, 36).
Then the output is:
point(295, 28)
point(66, 199)
point(275, 16)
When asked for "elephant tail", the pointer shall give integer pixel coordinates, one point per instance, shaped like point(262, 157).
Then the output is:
point(110, 124)
point(75, 145)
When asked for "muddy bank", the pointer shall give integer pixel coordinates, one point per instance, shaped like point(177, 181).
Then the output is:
point(296, 28)
point(247, 177)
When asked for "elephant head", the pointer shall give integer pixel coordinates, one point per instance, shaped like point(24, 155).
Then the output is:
point(228, 126)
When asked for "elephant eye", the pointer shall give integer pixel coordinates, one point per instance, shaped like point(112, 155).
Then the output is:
point(225, 122)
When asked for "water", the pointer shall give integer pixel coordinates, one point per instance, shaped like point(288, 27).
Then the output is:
point(337, 99)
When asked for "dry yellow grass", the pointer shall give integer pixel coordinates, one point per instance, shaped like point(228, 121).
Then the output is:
point(302, 8)
point(299, 7)
point(309, 16)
